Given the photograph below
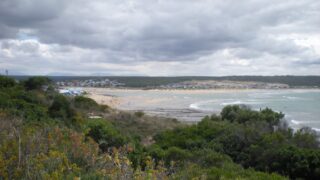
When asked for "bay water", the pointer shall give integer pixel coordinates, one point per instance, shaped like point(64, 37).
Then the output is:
point(300, 106)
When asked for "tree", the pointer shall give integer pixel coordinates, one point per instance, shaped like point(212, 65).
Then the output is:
point(36, 83)
point(6, 82)
point(243, 114)
point(306, 138)
point(268, 115)
point(230, 113)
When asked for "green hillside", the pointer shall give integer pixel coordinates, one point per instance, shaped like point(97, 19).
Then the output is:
point(44, 135)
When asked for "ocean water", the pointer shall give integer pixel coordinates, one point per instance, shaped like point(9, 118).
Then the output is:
point(301, 107)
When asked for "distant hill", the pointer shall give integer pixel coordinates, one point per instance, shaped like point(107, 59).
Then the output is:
point(143, 81)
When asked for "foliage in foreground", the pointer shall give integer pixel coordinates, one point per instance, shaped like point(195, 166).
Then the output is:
point(44, 135)
point(253, 139)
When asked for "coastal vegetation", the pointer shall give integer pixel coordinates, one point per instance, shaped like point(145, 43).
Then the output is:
point(45, 135)
point(253, 139)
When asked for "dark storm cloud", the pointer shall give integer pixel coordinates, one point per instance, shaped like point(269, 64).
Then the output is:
point(162, 31)
point(23, 13)
point(7, 32)
point(132, 31)
point(184, 30)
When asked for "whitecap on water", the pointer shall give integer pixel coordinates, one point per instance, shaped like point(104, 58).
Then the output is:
point(239, 102)
point(292, 98)
point(197, 105)
point(232, 103)
point(295, 122)
point(194, 106)
point(316, 129)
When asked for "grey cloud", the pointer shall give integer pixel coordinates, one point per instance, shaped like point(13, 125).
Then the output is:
point(26, 12)
point(178, 31)
point(18, 14)
point(162, 30)
point(308, 62)
point(26, 48)
point(7, 32)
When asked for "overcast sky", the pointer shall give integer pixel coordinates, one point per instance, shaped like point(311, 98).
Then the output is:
point(160, 37)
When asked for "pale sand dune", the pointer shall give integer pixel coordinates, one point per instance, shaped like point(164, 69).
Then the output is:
point(106, 100)
point(100, 95)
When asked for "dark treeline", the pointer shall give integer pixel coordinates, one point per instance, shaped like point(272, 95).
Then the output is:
point(44, 135)
point(143, 81)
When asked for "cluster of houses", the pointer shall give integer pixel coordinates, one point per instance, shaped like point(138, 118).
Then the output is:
point(71, 92)
point(224, 85)
point(90, 83)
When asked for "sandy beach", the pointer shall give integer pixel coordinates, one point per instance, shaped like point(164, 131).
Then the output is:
point(173, 103)
point(104, 95)
point(99, 96)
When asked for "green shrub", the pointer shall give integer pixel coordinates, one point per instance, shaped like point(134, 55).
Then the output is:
point(6, 82)
point(105, 134)
point(85, 103)
point(176, 154)
point(36, 83)
point(61, 108)
point(243, 114)
point(139, 114)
